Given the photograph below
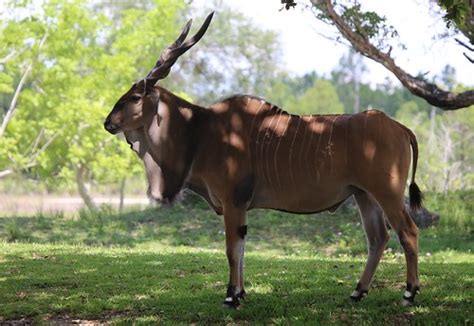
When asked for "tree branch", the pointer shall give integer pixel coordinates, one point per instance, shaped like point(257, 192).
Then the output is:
point(7, 57)
point(430, 92)
point(43, 148)
point(467, 47)
point(34, 152)
point(12, 107)
point(464, 44)
point(6, 172)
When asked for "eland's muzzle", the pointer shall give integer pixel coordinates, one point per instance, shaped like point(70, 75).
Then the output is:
point(110, 127)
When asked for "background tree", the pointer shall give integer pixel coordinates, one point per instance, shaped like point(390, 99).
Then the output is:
point(350, 72)
point(85, 64)
point(321, 98)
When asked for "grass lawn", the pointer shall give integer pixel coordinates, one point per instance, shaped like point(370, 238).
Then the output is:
point(168, 267)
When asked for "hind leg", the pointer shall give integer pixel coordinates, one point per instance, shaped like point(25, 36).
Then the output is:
point(377, 238)
point(407, 233)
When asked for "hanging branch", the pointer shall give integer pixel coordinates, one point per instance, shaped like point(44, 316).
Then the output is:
point(430, 92)
point(467, 47)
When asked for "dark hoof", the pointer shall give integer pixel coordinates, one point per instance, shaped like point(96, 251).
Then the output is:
point(231, 302)
point(241, 295)
point(409, 296)
point(359, 293)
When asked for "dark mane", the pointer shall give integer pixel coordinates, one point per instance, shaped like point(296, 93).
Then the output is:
point(273, 108)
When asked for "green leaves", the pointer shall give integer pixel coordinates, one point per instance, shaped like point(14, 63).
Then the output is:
point(456, 11)
point(320, 99)
point(6, 83)
point(86, 62)
point(368, 24)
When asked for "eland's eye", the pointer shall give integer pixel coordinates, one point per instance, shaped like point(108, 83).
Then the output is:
point(136, 98)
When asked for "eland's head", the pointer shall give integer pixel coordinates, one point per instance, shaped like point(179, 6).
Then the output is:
point(132, 109)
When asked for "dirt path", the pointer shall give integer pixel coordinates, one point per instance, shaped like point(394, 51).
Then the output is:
point(14, 204)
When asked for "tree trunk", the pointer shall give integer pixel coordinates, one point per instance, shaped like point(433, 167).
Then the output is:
point(356, 95)
point(122, 194)
point(82, 188)
point(431, 139)
point(448, 148)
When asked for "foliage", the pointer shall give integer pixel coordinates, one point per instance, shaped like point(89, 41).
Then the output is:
point(319, 99)
point(347, 78)
point(306, 95)
point(456, 11)
point(367, 24)
point(446, 147)
point(84, 66)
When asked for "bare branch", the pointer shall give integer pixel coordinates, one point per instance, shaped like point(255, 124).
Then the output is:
point(464, 44)
point(467, 47)
point(5, 173)
point(429, 91)
point(8, 116)
point(9, 56)
point(468, 58)
point(44, 147)
point(34, 154)
point(34, 144)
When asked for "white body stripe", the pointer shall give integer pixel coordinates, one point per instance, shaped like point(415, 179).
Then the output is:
point(291, 153)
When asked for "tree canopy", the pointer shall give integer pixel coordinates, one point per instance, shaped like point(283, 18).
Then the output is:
point(76, 62)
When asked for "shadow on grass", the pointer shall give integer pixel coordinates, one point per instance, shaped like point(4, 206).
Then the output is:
point(41, 282)
point(190, 225)
point(193, 224)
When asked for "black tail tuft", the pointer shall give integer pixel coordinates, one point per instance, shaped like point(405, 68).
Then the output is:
point(416, 197)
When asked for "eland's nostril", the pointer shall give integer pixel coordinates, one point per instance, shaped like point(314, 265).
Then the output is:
point(106, 122)
point(111, 127)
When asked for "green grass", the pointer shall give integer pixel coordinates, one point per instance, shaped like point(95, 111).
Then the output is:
point(168, 266)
